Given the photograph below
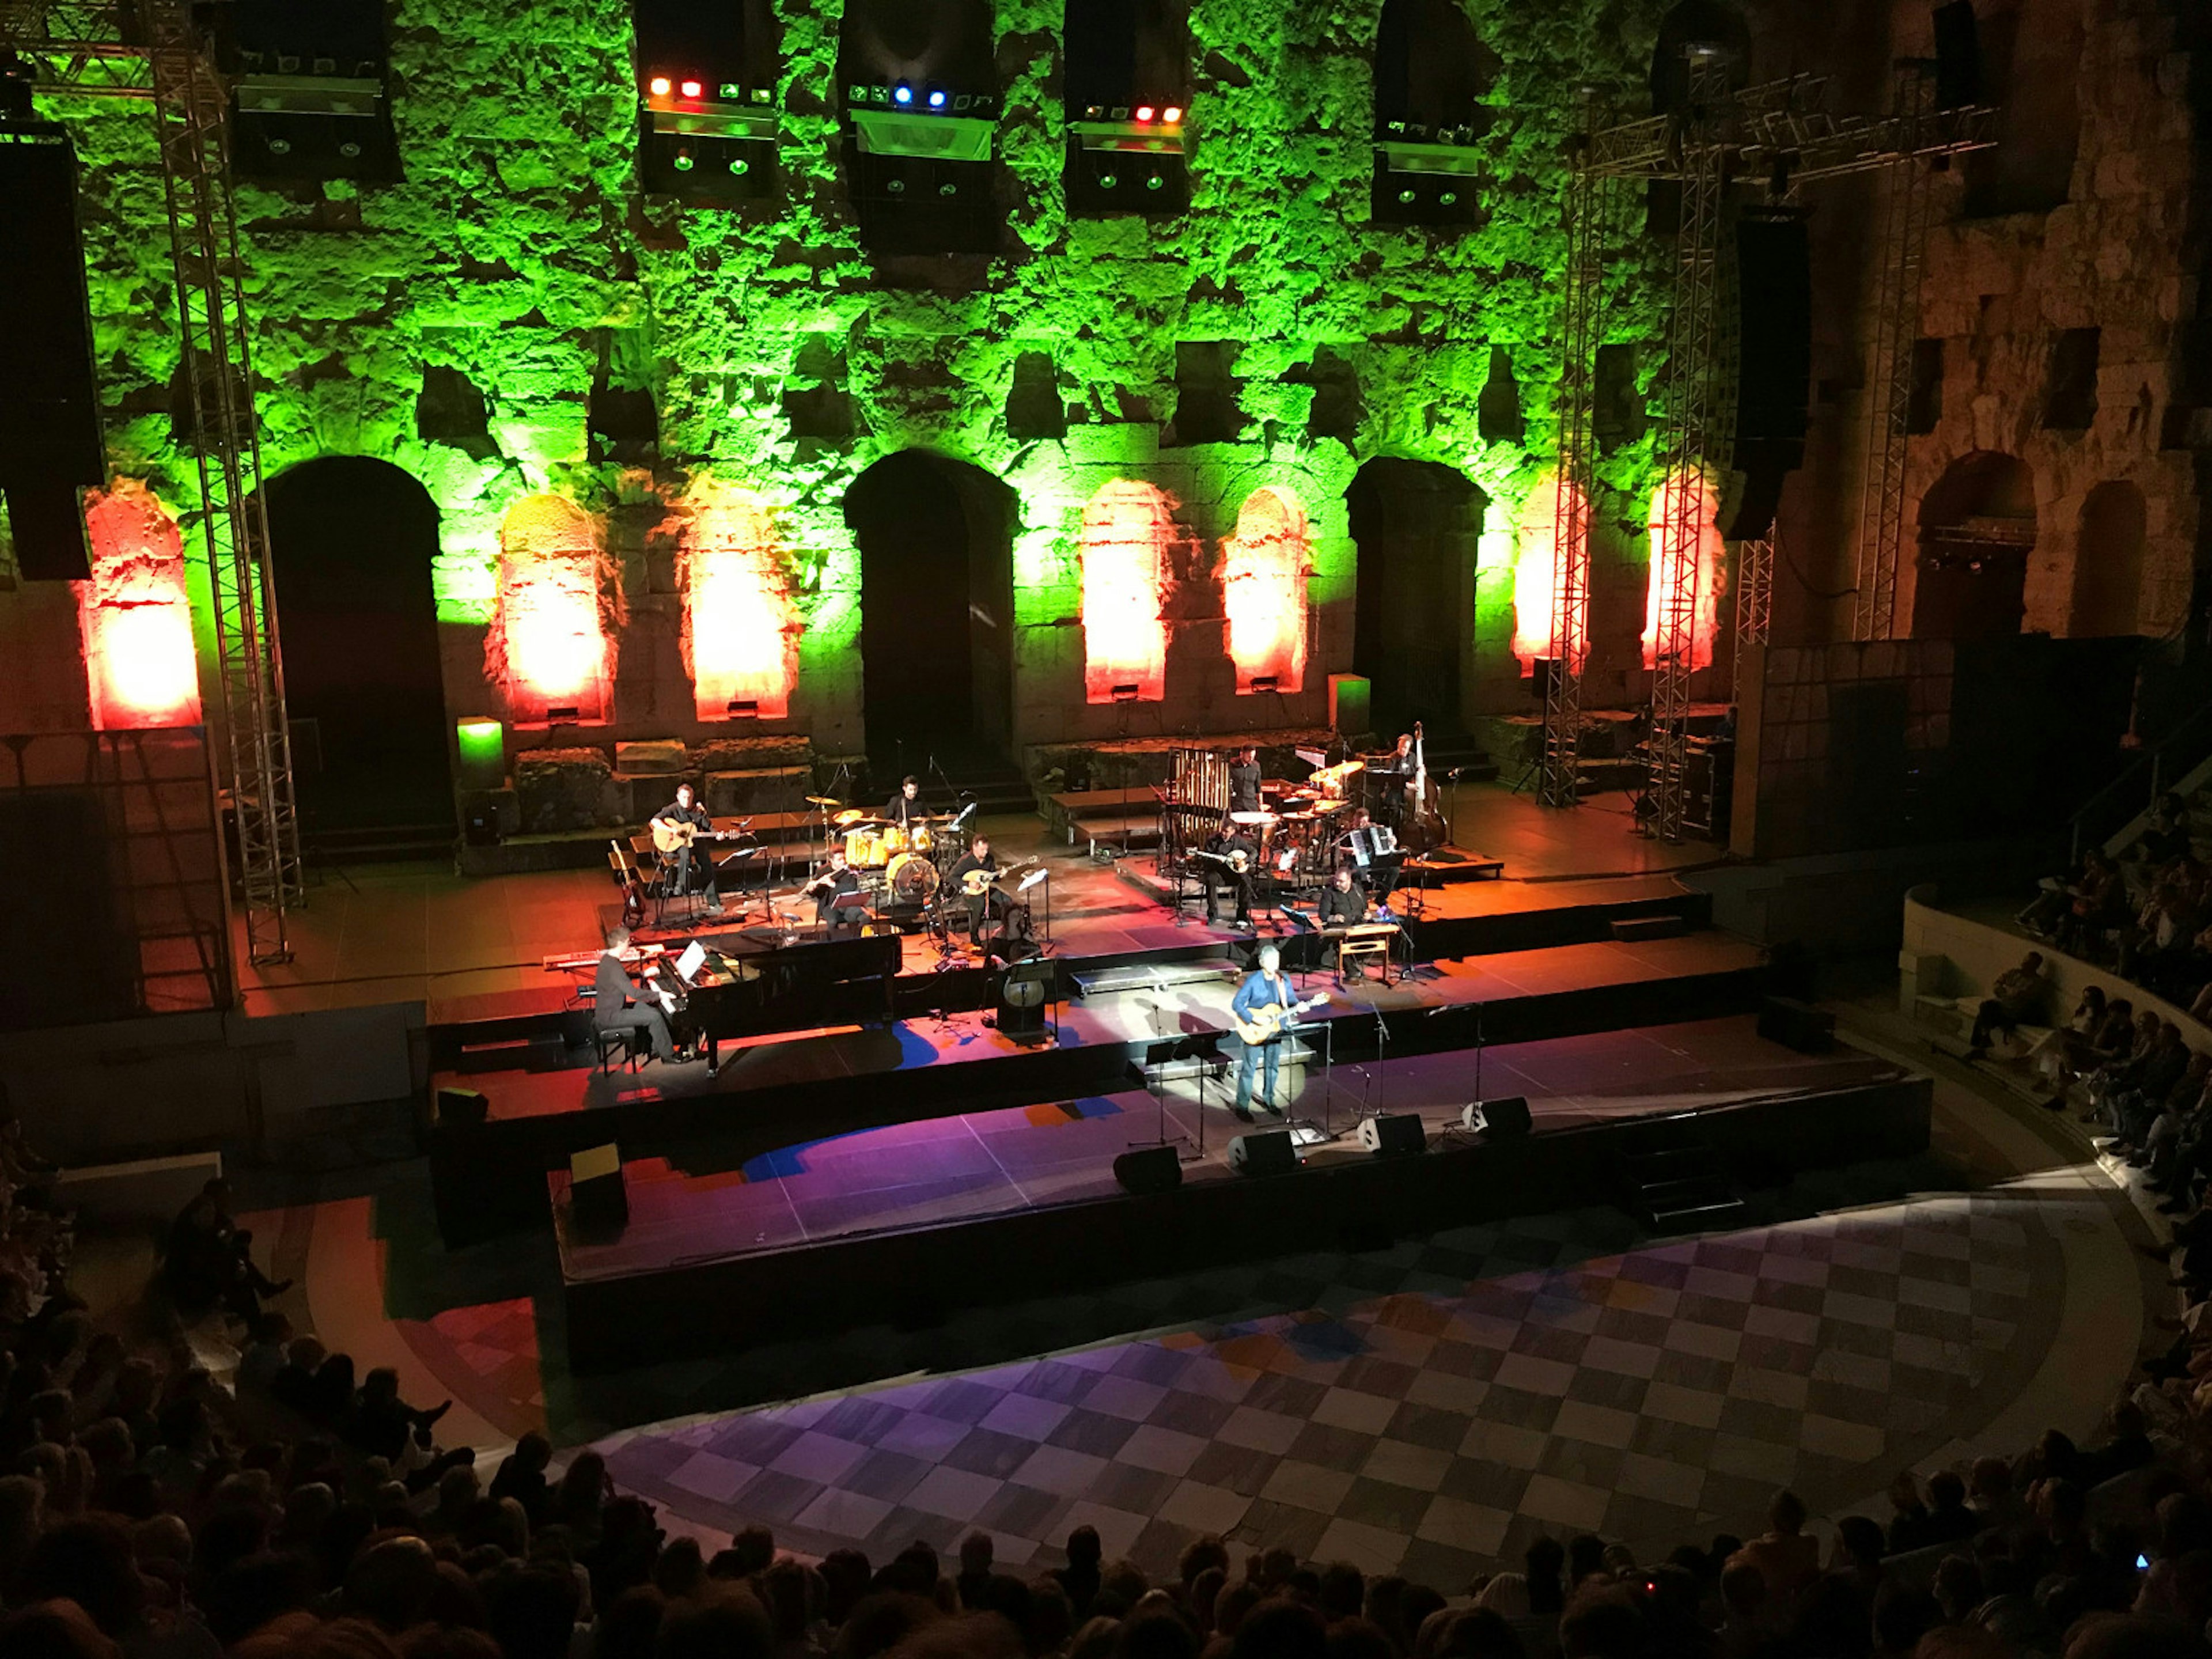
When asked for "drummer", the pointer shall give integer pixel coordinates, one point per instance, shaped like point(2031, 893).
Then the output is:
point(904, 810)
point(1245, 780)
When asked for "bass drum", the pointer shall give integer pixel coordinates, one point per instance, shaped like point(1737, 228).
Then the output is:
point(913, 879)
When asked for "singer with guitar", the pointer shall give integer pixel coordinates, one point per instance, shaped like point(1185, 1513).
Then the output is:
point(676, 827)
point(1263, 1006)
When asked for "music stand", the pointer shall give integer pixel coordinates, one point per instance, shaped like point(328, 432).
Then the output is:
point(1304, 1131)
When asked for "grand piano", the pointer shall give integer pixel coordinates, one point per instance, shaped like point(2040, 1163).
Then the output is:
point(758, 979)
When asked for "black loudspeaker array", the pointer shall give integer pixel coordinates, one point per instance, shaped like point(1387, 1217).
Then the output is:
point(50, 447)
point(1774, 361)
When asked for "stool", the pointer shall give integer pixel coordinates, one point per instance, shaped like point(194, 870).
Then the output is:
point(1363, 952)
point(607, 1037)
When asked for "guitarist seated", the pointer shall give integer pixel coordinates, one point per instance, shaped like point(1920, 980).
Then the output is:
point(984, 901)
point(1263, 999)
point(690, 865)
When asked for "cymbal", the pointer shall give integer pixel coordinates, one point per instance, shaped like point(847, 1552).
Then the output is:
point(853, 818)
point(823, 800)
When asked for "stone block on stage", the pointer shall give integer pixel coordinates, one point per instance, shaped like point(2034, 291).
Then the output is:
point(663, 757)
point(745, 754)
point(748, 792)
point(563, 789)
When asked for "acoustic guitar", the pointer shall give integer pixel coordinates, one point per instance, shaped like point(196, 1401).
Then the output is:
point(1265, 1024)
point(675, 837)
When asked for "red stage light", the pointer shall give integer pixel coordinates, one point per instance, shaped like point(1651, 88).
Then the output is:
point(1143, 111)
point(1705, 550)
point(1128, 530)
point(133, 616)
point(1263, 588)
point(692, 88)
point(658, 86)
point(740, 627)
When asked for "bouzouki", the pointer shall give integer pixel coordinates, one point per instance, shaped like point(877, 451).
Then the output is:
point(1264, 1024)
point(976, 883)
point(1238, 861)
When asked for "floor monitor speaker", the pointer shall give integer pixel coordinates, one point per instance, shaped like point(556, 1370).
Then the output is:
point(1148, 1169)
point(1503, 1119)
point(597, 1193)
point(1265, 1152)
point(1393, 1132)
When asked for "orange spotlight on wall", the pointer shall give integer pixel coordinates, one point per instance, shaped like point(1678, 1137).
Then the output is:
point(551, 639)
point(1704, 551)
point(1127, 529)
point(1263, 588)
point(1536, 573)
point(740, 627)
point(135, 621)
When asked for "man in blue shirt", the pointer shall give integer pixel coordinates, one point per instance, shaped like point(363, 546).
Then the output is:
point(1266, 984)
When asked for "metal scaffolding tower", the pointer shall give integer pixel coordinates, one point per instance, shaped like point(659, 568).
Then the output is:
point(1758, 133)
point(1561, 782)
point(1907, 190)
point(152, 49)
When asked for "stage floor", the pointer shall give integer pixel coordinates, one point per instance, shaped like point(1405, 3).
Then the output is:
point(1190, 1008)
point(377, 934)
point(959, 1169)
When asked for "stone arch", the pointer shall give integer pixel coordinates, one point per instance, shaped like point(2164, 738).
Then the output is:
point(556, 616)
point(935, 536)
point(2108, 561)
point(1264, 565)
point(741, 627)
point(1536, 572)
point(353, 545)
point(1976, 527)
point(1128, 532)
point(1417, 527)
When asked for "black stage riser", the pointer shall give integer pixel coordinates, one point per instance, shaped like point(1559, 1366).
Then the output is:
point(709, 1307)
point(490, 1179)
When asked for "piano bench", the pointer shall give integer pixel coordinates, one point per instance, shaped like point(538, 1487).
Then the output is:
point(632, 1040)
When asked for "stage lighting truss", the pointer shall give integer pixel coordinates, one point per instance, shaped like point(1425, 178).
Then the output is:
point(707, 147)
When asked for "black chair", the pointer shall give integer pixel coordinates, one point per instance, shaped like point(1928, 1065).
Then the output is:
point(632, 1040)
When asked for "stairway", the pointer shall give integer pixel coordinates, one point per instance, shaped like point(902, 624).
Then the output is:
point(1673, 1181)
point(1445, 750)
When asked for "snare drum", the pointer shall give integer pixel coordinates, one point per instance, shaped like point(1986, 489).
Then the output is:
point(864, 849)
point(894, 841)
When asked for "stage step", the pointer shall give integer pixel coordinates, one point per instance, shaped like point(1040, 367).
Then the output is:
point(379, 844)
point(1147, 976)
point(541, 1050)
point(1673, 1181)
point(1220, 1066)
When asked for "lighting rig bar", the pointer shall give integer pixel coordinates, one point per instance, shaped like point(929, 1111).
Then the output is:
point(83, 49)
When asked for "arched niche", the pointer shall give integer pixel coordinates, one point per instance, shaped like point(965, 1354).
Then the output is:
point(1418, 527)
point(353, 546)
point(134, 614)
point(1977, 528)
point(1264, 565)
point(740, 627)
point(2031, 60)
point(936, 543)
point(2108, 562)
point(1432, 76)
point(920, 176)
point(1535, 573)
point(1693, 561)
point(1128, 531)
point(556, 616)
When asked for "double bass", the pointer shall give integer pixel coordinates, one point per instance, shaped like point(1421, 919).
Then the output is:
point(1424, 818)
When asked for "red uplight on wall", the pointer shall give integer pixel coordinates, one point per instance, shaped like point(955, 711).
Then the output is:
point(1536, 575)
point(1145, 111)
point(1263, 588)
point(134, 616)
point(740, 627)
point(1128, 530)
point(1704, 551)
point(551, 639)
point(692, 88)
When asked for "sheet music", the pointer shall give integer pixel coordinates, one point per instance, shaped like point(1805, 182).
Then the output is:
point(687, 964)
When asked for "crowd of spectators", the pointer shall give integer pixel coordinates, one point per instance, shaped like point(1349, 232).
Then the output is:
point(2148, 916)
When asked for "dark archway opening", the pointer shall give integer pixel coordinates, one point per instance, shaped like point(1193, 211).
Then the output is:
point(352, 541)
point(1977, 529)
point(936, 539)
point(2108, 562)
point(1416, 525)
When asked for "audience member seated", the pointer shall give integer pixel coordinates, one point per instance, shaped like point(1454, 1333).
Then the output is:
point(2012, 1002)
point(208, 1259)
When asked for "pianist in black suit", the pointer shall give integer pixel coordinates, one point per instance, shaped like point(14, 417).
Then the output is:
point(905, 808)
point(832, 885)
point(616, 1006)
point(695, 863)
point(1342, 903)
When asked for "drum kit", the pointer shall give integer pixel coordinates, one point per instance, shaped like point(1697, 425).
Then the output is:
point(895, 861)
